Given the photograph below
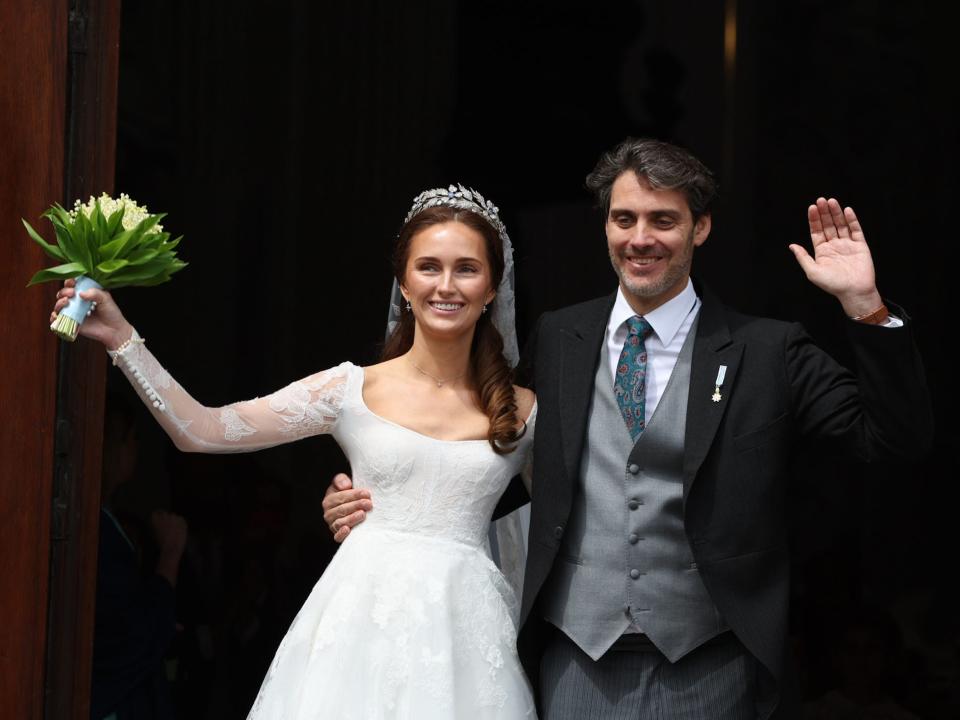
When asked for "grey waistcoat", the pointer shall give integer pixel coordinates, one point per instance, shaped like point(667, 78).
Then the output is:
point(625, 559)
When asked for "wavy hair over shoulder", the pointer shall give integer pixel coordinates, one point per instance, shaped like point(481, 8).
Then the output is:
point(490, 374)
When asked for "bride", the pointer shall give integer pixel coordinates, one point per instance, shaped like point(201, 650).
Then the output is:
point(411, 619)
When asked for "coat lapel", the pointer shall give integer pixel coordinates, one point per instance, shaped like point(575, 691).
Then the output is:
point(581, 341)
point(713, 348)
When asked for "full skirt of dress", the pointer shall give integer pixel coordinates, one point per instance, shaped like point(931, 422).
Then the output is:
point(401, 626)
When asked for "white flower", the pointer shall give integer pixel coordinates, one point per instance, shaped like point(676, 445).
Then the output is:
point(133, 214)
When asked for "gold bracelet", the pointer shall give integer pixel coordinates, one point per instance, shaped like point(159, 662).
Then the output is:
point(875, 317)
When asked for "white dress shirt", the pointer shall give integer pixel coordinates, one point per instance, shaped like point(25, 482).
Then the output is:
point(671, 323)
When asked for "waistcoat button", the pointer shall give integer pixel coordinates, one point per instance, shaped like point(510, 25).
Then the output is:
point(558, 532)
point(633, 504)
point(634, 538)
point(633, 468)
point(634, 573)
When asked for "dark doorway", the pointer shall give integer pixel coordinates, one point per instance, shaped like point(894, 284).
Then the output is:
point(285, 141)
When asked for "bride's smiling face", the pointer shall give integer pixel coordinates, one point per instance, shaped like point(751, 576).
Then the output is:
point(448, 278)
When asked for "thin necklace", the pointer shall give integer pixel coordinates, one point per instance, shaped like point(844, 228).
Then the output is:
point(438, 381)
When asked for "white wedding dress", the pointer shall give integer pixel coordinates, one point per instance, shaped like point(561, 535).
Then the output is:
point(411, 619)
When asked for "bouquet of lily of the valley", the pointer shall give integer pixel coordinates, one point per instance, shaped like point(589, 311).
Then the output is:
point(105, 243)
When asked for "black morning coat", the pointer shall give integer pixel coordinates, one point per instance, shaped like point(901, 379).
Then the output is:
point(781, 392)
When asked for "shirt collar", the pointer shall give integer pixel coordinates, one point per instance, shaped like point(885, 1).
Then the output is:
point(665, 319)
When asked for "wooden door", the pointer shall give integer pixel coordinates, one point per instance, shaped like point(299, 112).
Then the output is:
point(58, 80)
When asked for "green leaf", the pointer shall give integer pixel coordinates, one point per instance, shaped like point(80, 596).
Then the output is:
point(52, 250)
point(135, 274)
point(65, 239)
point(150, 241)
point(150, 273)
point(142, 255)
point(97, 217)
point(159, 279)
point(56, 211)
point(60, 272)
point(111, 266)
point(150, 244)
point(84, 239)
point(116, 221)
point(155, 240)
point(109, 251)
point(101, 233)
point(165, 276)
point(123, 244)
point(173, 243)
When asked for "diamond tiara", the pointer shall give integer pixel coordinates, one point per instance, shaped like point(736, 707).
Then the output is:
point(462, 198)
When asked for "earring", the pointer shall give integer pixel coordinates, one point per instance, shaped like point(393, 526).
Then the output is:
point(484, 309)
point(408, 306)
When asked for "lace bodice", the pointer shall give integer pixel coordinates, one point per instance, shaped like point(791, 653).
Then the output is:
point(446, 489)
point(435, 487)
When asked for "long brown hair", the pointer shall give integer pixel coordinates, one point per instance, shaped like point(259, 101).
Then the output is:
point(489, 372)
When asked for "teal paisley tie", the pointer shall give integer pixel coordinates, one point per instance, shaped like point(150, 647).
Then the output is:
point(630, 383)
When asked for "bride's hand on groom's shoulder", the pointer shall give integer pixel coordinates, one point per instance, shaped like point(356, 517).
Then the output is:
point(343, 507)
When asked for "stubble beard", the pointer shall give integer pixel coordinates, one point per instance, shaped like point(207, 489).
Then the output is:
point(678, 268)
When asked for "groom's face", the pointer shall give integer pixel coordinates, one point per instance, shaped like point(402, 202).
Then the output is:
point(651, 235)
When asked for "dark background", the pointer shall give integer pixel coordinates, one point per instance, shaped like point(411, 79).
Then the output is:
point(287, 139)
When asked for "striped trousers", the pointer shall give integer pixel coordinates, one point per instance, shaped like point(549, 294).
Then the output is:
point(634, 681)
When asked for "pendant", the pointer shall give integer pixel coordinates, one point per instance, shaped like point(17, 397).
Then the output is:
point(718, 383)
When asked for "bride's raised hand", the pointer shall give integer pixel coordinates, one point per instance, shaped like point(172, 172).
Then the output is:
point(105, 323)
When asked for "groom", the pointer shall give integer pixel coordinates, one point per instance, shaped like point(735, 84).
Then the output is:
point(657, 578)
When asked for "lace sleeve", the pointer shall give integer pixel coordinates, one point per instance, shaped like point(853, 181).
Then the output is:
point(310, 406)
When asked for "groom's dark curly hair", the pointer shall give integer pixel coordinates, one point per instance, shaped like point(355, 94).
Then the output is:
point(663, 165)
